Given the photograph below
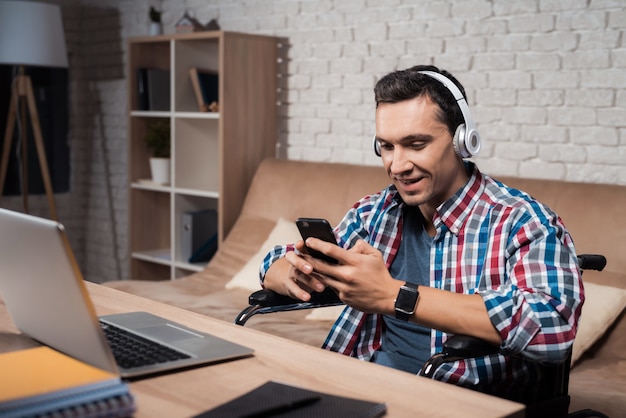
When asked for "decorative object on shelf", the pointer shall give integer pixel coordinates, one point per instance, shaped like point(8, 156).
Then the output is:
point(158, 142)
point(31, 34)
point(212, 25)
point(205, 85)
point(156, 26)
point(188, 24)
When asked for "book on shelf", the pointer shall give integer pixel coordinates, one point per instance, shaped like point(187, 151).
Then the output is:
point(205, 84)
point(153, 89)
point(199, 235)
point(206, 250)
point(46, 383)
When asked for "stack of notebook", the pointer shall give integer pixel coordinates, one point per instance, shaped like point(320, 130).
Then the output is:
point(43, 382)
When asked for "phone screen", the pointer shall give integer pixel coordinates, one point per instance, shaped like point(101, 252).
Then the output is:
point(317, 228)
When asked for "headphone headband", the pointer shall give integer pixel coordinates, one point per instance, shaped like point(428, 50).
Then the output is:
point(458, 96)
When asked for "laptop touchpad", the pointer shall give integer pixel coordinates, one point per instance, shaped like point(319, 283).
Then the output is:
point(168, 332)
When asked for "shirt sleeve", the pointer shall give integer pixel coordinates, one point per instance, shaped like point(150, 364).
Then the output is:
point(536, 308)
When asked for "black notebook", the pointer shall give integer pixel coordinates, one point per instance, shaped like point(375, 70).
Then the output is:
point(274, 399)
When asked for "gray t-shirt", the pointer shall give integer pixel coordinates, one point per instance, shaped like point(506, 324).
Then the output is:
point(405, 345)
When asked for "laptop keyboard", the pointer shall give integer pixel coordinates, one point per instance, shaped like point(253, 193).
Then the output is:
point(131, 350)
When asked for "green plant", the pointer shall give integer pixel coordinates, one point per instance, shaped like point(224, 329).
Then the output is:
point(158, 138)
point(155, 15)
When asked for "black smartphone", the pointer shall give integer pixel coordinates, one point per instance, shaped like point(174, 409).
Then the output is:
point(317, 228)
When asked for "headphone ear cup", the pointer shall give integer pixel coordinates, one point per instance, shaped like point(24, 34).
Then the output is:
point(458, 142)
point(377, 148)
point(466, 142)
point(472, 142)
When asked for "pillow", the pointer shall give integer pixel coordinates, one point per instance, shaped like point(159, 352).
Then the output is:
point(603, 305)
point(284, 232)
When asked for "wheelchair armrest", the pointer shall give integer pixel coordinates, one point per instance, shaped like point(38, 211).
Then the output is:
point(267, 301)
point(270, 298)
point(591, 262)
point(457, 347)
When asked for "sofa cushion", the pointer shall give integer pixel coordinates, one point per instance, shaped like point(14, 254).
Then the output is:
point(248, 277)
point(603, 305)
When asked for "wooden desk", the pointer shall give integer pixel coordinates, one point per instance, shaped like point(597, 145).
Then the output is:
point(192, 391)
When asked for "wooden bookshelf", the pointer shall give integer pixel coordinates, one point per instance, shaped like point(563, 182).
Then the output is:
point(213, 154)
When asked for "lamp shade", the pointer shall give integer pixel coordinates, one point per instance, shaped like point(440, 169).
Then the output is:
point(31, 34)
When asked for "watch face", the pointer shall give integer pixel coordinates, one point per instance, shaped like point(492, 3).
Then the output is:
point(407, 297)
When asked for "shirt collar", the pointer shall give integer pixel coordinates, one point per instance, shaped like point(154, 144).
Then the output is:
point(454, 212)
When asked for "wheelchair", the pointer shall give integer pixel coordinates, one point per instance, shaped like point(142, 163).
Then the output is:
point(554, 400)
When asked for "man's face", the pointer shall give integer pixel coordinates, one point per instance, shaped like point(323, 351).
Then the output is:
point(417, 152)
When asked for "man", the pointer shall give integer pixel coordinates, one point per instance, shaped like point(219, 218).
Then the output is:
point(443, 250)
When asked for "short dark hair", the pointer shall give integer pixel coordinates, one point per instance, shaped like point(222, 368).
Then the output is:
point(408, 84)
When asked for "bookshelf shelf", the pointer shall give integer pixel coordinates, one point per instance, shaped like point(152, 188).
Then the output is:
point(197, 115)
point(150, 114)
point(159, 256)
point(213, 154)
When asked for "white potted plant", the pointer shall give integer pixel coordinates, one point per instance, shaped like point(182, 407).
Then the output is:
point(156, 26)
point(158, 142)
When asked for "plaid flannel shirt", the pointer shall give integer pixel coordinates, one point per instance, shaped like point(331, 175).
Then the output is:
point(492, 240)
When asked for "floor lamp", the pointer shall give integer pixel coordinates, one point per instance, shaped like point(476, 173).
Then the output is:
point(31, 34)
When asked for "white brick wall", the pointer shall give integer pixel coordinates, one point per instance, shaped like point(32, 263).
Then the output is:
point(545, 79)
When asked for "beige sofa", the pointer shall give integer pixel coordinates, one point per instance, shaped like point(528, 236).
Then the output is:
point(284, 190)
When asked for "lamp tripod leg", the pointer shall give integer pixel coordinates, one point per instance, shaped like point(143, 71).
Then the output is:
point(8, 135)
point(41, 151)
point(26, 89)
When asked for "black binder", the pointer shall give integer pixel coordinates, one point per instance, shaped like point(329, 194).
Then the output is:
point(153, 89)
point(198, 235)
point(274, 399)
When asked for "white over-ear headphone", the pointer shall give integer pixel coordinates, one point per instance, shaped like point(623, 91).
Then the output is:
point(466, 141)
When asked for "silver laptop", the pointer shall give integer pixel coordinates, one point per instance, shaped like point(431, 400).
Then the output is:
point(47, 299)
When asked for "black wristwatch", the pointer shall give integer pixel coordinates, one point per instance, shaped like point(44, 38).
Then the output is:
point(406, 301)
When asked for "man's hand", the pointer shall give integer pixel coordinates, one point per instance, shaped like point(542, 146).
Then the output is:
point(361, 278)
point(293, 275)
